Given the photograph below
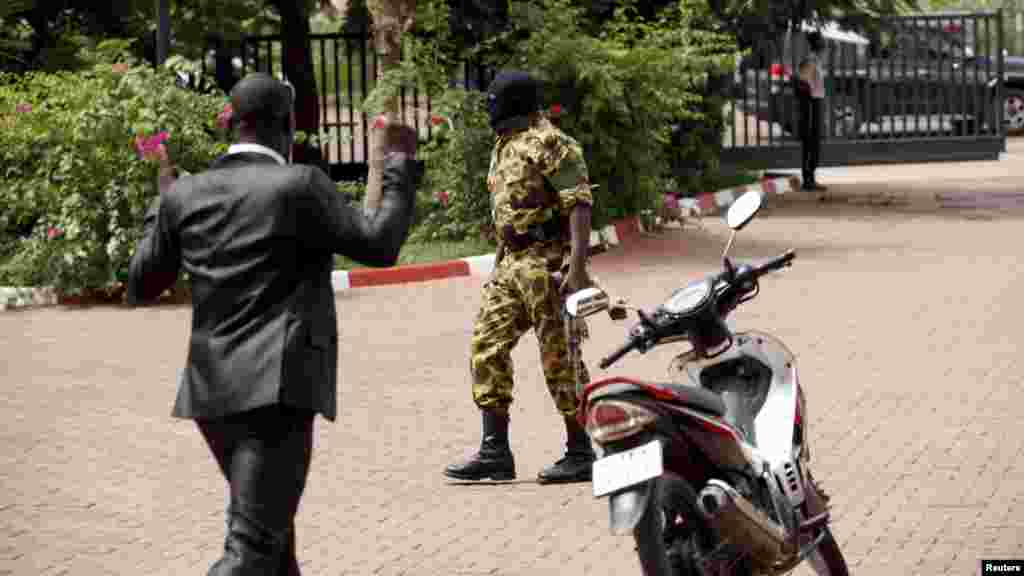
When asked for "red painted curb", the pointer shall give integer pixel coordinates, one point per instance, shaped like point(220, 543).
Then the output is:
point(364, 277)
point(627, 228)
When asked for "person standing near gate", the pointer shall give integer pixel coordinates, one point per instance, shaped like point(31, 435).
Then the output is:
point(538, 183)
point(811, 96)
point(258, 237)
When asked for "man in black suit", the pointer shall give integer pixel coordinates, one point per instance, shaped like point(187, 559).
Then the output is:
point(258, 238)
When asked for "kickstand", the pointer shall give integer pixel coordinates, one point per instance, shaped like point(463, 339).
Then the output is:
point(806, 550)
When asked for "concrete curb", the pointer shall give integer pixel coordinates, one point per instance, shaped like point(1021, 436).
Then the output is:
point(615, 235)
point(18, 297)
point(716, 203)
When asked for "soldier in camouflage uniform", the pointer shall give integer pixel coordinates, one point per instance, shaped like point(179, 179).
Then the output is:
point(541, 201)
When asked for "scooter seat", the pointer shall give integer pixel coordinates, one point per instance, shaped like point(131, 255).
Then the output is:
point(694, 397)
point(689, 396)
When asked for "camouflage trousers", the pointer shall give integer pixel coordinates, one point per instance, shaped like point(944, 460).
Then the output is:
point(521, 295)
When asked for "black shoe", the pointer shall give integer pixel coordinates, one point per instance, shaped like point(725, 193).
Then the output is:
point(494, 460)
point(577, 464)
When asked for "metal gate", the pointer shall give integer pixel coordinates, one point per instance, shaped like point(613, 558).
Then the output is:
point(345, 66)
point(912, 89)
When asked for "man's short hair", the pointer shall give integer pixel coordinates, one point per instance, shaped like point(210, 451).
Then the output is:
point(262, 101)
point(815, 41)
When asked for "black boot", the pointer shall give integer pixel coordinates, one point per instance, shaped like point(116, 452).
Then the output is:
point(579, 457)
point(494, 460)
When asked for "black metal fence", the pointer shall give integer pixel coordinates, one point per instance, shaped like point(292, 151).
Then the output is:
point(913, 88)
point(346, 69)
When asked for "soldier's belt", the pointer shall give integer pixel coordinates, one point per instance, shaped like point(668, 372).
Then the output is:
point(535, 234)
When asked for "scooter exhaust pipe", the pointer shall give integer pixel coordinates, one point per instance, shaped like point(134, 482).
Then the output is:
point(736, 520)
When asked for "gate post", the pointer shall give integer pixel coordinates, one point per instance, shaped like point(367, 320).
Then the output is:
point(1001, 75)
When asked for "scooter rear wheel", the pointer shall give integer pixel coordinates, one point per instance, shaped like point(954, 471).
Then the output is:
point(652, 548)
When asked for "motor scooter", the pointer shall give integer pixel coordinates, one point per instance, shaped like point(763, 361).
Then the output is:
point(710, 471)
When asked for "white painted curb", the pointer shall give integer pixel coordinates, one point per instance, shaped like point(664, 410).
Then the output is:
point(16, 297)
point(339, 280)
point(610, 235)
point(480, 265)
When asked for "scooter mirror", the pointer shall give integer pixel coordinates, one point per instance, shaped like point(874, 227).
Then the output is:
point(586, 302)
point(743, 210)
point(617, 310)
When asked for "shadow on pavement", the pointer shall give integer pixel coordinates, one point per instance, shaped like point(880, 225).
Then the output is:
point(461, 484)
point(703, 249)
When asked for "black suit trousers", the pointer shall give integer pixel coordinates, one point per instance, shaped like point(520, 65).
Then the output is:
point(264, 454)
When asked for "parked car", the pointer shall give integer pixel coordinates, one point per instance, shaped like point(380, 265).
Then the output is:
point(912, 76)
point(1013, 90)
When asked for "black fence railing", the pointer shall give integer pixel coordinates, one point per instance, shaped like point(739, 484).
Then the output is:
point(913, 88)
point(346, 69)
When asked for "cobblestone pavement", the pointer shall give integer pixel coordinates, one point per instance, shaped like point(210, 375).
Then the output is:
point(905, 322)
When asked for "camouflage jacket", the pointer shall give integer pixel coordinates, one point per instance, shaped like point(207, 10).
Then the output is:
point(536, 174)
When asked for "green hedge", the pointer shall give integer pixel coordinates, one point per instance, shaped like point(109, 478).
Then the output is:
point(75, 185)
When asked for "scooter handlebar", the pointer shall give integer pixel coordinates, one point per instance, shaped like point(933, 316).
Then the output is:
point(622, 351)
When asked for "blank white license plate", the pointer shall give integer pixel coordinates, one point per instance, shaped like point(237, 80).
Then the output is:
point(627, 468)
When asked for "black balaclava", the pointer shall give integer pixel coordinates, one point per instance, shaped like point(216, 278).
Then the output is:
point(511, 97)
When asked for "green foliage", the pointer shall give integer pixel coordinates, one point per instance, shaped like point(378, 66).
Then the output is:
point(428, 58)
point(75, 187)
point(192, 20)
point(49, 35)
point(622, 91)
point(454, 202)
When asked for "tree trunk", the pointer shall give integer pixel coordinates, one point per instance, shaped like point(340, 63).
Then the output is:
point(390, 19)
point(298, 67)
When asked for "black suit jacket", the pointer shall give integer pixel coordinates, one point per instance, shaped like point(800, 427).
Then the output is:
point(258, 240)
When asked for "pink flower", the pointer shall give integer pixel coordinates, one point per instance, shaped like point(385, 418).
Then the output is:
point(224, 117)
point(119, 68)
point(436, 120)
point(556, 109)
point(53, 233)
point(152, 147)
point(671, 202)
point(379, 122)
point(23, 108)
point(442, 197)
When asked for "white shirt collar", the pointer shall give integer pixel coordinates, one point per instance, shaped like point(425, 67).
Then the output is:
point(251, 148)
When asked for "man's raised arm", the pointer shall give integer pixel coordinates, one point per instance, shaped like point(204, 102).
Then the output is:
point(157, 259)
point(376, 238)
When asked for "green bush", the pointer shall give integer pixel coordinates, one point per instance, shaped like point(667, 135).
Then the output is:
point(620, 89)
point(75, 185)
point(620, 93)
point(454, 202)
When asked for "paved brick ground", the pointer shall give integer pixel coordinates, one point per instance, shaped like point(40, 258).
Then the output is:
point(905, 320)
